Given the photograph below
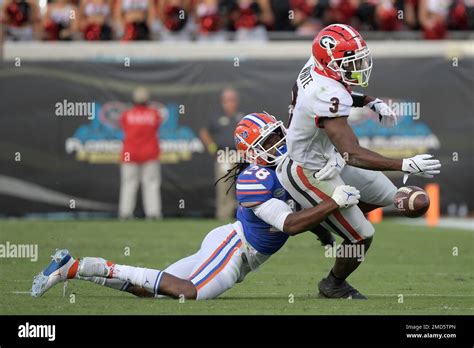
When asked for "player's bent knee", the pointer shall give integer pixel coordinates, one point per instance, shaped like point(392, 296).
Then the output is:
point(366, 230)
point(189, 291)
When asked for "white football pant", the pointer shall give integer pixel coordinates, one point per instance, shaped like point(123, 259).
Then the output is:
point(222, 261)
point(351, 224)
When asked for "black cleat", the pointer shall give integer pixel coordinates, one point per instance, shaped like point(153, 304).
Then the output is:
point(328, 289)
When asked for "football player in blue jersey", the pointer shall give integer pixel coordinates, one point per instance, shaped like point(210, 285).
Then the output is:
point(228, 253)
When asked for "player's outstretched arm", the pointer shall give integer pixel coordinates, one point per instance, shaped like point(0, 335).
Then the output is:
point(279, 214)
point(346, 142)
point(307, 219)
point(304, 220)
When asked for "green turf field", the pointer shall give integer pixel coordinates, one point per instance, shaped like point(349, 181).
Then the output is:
point(413, 261)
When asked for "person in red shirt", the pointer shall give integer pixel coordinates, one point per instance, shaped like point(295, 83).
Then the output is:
point(140, 157)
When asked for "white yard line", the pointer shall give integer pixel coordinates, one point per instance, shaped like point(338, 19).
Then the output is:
point(21, 292)
point(417, 295)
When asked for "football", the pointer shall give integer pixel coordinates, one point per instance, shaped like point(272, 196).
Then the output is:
point(411, 201)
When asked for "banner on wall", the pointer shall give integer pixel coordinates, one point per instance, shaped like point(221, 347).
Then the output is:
point(46, 160)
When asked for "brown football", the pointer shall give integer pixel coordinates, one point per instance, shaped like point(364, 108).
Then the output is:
point(411, 201)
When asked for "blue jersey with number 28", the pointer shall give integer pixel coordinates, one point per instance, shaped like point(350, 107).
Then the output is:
point(258, 184)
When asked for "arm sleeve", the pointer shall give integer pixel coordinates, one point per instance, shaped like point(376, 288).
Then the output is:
point(274, 212)
point(357, 99)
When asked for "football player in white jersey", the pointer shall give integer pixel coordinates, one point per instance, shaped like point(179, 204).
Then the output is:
point(318, 128)
point(228, 253)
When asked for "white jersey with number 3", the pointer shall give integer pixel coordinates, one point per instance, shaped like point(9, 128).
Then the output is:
point(314, 97)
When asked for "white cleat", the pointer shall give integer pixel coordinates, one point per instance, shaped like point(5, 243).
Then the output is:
point(93, 267)
point(56, 272)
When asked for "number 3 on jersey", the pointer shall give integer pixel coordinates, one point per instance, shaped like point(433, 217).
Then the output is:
point(335, 105)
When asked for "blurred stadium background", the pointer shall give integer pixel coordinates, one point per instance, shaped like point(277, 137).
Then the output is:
point(217, 20)
point(47, 161)
point(185, 53)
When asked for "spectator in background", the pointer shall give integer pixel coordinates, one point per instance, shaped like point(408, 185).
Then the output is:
point(249, 19)
point(410, 11)
point(433, 18)
point(140, 157)
point(461, 15)
point(281, 13)
point(304, 13)
point(381, 14)
point(386, 15)
point(59, 21)
point(267, 18)
point(340, 11)
point(94, 19)
point(21, 20)
point(209, 21)
point(219, 136)
point(134, 18)
point(175, 20)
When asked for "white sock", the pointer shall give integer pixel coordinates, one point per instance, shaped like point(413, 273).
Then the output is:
point(144, 277)
point(116, 284)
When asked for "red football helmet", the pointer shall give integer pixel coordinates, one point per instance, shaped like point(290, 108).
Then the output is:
point(340, 53)
point(250, 136)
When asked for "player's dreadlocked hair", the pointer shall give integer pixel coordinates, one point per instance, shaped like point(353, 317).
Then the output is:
point(232, 174)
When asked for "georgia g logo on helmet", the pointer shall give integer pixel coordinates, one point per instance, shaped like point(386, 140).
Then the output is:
point(328, 42)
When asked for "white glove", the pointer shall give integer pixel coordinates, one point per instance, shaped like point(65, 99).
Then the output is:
point(387, 117)
point(422, 165)
point(346, 196)
point(332, 168)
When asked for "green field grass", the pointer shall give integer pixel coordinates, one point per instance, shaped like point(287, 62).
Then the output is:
point(415, 262)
